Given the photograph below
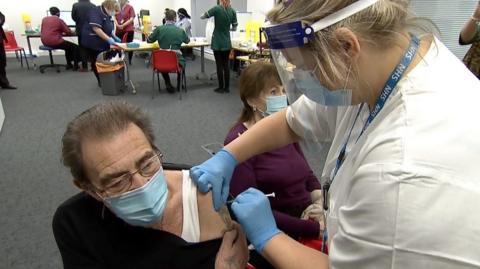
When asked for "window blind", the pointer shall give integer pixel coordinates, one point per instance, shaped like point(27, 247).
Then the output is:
point(449, 16)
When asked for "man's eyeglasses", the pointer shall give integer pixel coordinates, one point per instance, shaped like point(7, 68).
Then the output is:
point(124, 183)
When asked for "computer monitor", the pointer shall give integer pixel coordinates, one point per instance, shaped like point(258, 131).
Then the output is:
point(66, 16)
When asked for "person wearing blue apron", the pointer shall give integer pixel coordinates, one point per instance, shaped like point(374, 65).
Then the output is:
point(401, 183)
point(97, 33)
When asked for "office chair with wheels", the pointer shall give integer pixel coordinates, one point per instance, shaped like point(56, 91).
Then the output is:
point(52, 64)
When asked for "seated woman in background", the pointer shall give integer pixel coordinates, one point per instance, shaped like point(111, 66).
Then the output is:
point(131, 212)
point(284, 171)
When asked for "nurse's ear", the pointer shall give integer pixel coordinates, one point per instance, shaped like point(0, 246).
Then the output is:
point(349, 41)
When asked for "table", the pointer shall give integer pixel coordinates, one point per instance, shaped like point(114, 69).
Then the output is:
point(154, 46)
point(201, 45)
point(247, 59)
point(248, 50)
point(37, 35)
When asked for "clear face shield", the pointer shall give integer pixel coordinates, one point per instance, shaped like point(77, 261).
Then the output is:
point(297, 66)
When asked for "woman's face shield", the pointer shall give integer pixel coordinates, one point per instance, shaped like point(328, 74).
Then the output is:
point(297, 65)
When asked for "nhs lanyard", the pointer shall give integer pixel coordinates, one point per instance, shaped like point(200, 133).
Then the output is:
point(382, 99)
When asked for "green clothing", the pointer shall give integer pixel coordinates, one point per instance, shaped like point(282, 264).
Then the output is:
point(472, 58)
point(170, 37)
point(224, 17)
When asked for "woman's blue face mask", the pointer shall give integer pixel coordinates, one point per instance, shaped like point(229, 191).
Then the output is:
point(276, 103)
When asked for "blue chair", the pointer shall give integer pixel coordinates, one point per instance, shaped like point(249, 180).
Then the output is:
point(52, 64)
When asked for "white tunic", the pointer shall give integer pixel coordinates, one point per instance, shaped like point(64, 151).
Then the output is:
point(191, 222)
point(408, 193)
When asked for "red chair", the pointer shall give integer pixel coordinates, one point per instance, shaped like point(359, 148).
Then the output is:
point(12, 46)
point(166, 61)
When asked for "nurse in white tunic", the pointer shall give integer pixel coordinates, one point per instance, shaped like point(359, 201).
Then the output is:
point(402, 178)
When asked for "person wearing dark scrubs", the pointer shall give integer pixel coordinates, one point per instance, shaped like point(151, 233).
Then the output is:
point(80, 13)
point(169, 36)
point(224, 16)
point(4, 83)
point(97, 34)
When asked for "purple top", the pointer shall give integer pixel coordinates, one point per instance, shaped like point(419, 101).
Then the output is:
point(285, 172)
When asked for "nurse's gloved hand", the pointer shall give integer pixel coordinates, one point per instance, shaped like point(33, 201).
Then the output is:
point(111, 41)
point(254, 213)
point(215, 174)
point(118, 40)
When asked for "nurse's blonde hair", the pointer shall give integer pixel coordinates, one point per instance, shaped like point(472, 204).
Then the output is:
point(380, 25)
point(109, 4)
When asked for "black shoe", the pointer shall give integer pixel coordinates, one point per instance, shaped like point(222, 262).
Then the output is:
point(9, 87)
point(69, 67)
point(226, 90)
point(75, 68)
point(219, 90)
point(170, 89)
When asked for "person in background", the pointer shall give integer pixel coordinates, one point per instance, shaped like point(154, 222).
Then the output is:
point(52, 31)
point(170, 37)
point(97, 33)
point(80, 12)
point(225, 21)
point(471, 35)
point(124, 20)
point(4, 83)
point(185, 23)
point(283, 171)
point(133, 212)
point(164, 20)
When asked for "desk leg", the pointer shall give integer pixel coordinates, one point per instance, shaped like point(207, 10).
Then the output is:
point(129, 79)
point(29, 46)
point(202, 74)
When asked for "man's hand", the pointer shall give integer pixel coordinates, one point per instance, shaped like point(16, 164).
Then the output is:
point(233, 253)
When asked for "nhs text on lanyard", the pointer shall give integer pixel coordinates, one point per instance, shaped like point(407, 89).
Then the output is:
point(382, 99)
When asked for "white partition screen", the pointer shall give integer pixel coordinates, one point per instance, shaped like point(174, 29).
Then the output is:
point(449, 16)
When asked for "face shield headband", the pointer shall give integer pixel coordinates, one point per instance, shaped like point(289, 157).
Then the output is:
point(297, 34)
point(285, 41)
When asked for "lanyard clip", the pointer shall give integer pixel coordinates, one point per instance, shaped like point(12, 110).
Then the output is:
point(325, 194)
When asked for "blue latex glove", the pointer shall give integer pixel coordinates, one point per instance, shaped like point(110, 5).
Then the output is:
point(118, 40)
point(254, 213)
point(111, 41)
point(215, 174)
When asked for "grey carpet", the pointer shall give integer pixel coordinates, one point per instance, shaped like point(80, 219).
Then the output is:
point(33, 182)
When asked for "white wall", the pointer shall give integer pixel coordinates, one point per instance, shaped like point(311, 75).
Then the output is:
point(37, 9)
point(259, 8)
point(186, 4)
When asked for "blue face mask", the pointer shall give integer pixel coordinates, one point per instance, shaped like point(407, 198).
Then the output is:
point(276, 103)
point(308, 84)
point(143, 206)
